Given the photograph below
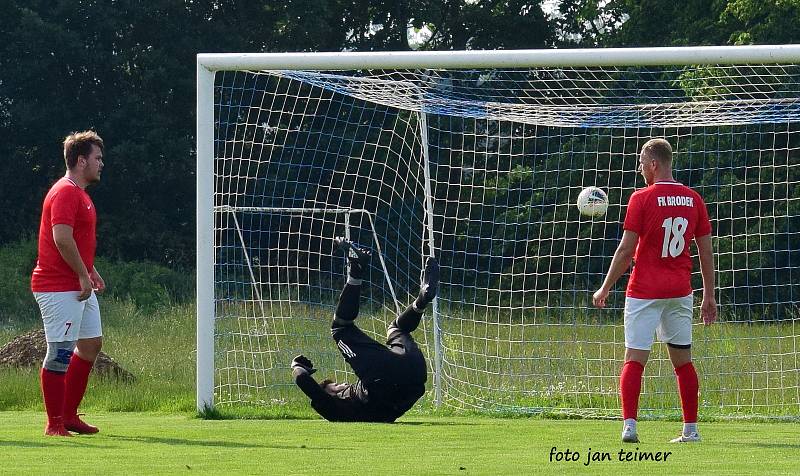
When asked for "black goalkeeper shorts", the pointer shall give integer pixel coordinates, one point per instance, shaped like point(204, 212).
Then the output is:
point(401, 363)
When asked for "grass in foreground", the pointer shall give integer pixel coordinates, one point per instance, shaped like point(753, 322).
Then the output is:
point(136, 443)
point(157, 347)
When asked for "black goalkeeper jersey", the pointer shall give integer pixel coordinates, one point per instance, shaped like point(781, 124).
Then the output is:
point(355, 402)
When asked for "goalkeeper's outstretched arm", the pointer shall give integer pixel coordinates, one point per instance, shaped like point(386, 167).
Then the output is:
point(321, 401)
point(308, 385)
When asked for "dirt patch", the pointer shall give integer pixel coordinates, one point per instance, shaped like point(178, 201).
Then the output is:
point(29, 349)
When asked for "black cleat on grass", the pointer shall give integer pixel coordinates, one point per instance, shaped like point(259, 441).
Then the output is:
point(357, 256)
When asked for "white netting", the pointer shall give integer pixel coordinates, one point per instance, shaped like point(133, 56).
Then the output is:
point(302, 157)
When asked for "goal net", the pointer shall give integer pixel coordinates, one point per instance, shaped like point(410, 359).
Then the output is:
point(481, 166)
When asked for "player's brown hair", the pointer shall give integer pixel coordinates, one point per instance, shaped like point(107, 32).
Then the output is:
point(658, 149)
point(80, 143)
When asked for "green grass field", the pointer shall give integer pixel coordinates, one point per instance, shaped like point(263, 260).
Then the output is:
point(150, 427)
point(153, 443)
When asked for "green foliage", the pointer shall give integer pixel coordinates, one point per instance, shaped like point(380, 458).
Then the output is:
point(454, 25)
point(590, 22)
point(127, 69)
point(762, 21)
point(665, 23)
point(703, 83)
point(686, 23)
point(148, 285)
point(17, 261)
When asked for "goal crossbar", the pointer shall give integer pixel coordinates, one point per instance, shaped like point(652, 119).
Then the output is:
point(750, 54)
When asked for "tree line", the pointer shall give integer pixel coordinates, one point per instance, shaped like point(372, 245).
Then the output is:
point(126, 69)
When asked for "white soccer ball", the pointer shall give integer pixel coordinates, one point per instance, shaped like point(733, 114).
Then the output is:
point(592, 202)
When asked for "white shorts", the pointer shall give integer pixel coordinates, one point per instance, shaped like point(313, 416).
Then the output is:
point(670, 318)
point(67, 319)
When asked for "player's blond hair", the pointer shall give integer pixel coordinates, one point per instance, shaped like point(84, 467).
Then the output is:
point(658, 149)
point(80, 143)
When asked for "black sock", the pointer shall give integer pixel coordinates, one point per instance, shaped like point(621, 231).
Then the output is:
point(347, 308)
point(420, 303)
point(408, 320)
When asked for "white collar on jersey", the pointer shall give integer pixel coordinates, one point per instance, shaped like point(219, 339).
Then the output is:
point(72, 181)
point(674, 182)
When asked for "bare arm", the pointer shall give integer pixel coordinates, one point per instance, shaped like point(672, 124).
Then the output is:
point(62, 235)
point(708, 309)
point(98, 283)
point(619, 264)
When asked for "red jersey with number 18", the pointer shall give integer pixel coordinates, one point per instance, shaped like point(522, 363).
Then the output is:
point(667, 216)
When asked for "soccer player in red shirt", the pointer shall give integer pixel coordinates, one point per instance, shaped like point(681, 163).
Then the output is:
point(661, 221)
point(64, 284)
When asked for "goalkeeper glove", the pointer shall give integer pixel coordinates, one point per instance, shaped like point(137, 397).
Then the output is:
point(430, 283)
point(302, 363)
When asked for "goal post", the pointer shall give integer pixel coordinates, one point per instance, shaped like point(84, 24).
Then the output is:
point(205, 238)
point(477, 157)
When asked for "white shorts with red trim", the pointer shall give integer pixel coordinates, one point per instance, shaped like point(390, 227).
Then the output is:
point(670, 319)
point(67, 319)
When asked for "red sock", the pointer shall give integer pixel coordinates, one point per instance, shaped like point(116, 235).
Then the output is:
point(53, 394)
point(630, 385)
point(75, 384)
point(688, 387)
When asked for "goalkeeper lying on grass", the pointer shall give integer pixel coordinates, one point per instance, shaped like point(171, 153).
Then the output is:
point(392, 376)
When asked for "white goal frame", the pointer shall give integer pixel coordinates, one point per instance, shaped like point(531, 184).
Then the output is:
point(209, 64)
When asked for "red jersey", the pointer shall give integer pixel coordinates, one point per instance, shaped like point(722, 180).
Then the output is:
point(667, 216)
point(65, 204)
